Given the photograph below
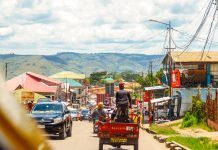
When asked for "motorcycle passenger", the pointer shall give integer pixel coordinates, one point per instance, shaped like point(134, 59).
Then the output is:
point(123, 102)
point(99, 113)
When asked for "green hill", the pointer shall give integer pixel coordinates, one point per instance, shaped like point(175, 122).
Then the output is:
point(77, 62)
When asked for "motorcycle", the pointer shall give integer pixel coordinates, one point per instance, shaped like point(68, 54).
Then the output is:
point(95, 125)
point(90, 118)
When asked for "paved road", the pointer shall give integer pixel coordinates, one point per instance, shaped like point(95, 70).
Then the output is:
point(84, 139)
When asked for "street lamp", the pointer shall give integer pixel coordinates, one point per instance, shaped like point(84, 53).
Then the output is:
point(169, 48)
point(159, 22)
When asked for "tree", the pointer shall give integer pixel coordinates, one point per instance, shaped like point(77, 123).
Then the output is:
point(129, 76)
point(159, 74)
point(96, 77)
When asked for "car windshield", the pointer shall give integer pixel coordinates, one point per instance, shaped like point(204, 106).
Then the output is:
point(85, 111)
point(47, 108)
point(73, 112)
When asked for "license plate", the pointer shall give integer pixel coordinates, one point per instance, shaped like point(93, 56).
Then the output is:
point(118, 140)
point(41, 126)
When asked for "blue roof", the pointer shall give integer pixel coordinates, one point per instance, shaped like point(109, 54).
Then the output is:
point(70, 81)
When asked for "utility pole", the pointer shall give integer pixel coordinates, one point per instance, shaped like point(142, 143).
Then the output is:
point(169, 54)
point(6, 71)
point(152, 81)
point(169, 28)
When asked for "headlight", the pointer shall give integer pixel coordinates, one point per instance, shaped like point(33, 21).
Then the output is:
point(57, 120)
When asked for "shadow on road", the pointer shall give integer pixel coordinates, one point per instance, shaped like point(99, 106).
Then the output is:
point(95, 136)
point(52, 137)
point(116, 149)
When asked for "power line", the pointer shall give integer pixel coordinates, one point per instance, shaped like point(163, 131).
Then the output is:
point(196, 17)
point(190, 36)
point(209, 33)
point(162, 51)
point(205, 17)
point(185, 47)
point(148, 39)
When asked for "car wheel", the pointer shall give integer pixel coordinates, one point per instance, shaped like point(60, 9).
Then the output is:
point(100, 146)
point(69, 132)
point(136, 146)
point(62, 135)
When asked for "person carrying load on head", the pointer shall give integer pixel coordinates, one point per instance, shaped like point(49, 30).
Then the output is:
point(123, 102)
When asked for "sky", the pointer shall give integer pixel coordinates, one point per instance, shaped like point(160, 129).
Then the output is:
point(98, 26)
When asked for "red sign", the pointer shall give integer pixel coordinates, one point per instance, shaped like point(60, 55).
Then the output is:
point(147, 96)
point(175, 79)
point(136, 102)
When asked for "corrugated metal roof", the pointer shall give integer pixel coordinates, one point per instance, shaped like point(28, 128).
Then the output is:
point(33, 82)
point(51, 80)
point(211, 56)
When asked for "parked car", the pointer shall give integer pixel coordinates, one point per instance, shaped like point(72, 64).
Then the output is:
point(53, 117)
point(74, 114)
point(85, 114)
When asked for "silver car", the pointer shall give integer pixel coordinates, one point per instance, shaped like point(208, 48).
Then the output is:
point(74, 114)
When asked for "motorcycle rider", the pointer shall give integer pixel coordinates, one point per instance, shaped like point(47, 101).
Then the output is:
point(123, 101)
point(99, 113)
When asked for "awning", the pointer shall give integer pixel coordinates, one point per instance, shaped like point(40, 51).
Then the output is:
point(152, 88)
point(162, 99)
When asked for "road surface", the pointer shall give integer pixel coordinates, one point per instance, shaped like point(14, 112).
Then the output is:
point(83, 139)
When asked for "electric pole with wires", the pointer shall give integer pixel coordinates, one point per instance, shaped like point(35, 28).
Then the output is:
point(169, 49)
point(6, 71)
point(169, 53)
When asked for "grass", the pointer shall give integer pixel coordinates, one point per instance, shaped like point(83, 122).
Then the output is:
point(201, 143)
point(203, 126)
point(165, 130)
point(175, 124)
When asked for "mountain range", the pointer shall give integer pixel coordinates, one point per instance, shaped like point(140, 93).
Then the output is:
point(77, 62)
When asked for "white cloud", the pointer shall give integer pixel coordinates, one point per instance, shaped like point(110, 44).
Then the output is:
point(5, 31)
point(50, 26)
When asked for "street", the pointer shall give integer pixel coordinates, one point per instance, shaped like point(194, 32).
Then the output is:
point(83, 139)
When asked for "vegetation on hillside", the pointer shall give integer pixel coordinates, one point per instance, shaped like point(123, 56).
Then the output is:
point(76, 62)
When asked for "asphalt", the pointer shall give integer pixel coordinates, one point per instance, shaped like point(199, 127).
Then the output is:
point(83, 139)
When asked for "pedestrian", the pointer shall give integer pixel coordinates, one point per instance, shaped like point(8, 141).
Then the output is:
point(150, 120)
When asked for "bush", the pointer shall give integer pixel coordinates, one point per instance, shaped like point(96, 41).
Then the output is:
point(189, 120)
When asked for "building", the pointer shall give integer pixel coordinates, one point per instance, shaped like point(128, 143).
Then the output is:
point(71, 89)
point(73, 86)
point(36, 83)
point(196, 68)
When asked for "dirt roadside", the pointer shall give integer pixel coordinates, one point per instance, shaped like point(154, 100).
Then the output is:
point(194, 132)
